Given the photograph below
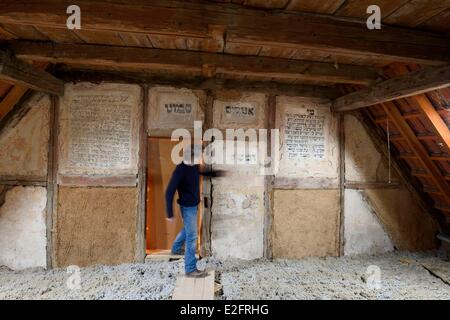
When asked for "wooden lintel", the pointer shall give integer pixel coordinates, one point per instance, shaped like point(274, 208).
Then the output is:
point(24, 74)
point(208, 64)
point(97, 181)
point(414, 83)
point(319, 94)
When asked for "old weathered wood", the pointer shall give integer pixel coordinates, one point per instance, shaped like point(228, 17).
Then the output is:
point(341, 183)
point(315, 93)
point(269, 182)
point(419, 150)
point(142, 180)
point(377, 136)
point(11, 99)
point(98, 181)
point(25, 74)
point(438, 124)
point(207, 63)
point(20, 182)
point(414, 83)
point(243, 26)
point(372, 185)
point(55, 188)
point(205, 242)
point(50, 181)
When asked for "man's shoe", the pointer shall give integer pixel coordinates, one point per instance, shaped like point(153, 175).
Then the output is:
point(179, 253)
point(196, 274)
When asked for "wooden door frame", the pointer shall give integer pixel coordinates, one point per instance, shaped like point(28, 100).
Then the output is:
point(201, 207)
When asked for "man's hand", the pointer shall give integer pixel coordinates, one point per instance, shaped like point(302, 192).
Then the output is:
point(170, 220)
point(220, 173)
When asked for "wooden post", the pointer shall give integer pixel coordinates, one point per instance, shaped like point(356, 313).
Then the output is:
point(205, 249)
point(341, 125)
point(269, 181)
point(142, 180)
point(50, 181)
point(53, 210)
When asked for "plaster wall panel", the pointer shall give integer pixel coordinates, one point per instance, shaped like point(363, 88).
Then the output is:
point(363, 232)
point(24, 142)
point(22, 227)
point(96, 226)
point(306, 223)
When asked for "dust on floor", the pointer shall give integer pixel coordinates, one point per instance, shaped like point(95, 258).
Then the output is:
point(402, 277)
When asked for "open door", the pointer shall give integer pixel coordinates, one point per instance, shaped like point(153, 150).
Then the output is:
point(160, 234)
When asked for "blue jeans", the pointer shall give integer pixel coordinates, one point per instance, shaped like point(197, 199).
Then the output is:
point(188, 235)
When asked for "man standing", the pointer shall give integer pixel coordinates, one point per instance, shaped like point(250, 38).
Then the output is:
point(186, 181)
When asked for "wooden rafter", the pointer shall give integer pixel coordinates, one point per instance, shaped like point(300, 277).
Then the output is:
point(242, 26)
point(11, 99)
point(20, 72)
point(207, 63)
point(439, 126)
point(414, 83)
point(16, 93)
point(419, 151)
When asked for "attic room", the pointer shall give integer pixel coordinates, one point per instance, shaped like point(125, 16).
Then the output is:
point(353, 97)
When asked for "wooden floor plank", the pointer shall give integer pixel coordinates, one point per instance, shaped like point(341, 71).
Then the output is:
point(194, 288)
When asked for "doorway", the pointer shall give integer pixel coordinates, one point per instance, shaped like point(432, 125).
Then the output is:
point(160, 234)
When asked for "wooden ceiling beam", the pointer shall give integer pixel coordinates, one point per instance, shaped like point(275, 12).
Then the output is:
point(146, 58)
point(241, 26)
point(413, 83)
point(24, 74)
point(319, 94)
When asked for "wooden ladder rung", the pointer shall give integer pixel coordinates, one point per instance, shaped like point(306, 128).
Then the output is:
point(408, 155)
point(442, 207)
point(440, 156)
point(420, 173)
point(379, 120)
point(431, 189)
point(396, 137)
point(411, 114)
point(426, 137)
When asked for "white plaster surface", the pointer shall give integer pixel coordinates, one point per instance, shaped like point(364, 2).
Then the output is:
point(24, 144)
point(23, 228)
point(237, 222)
point(363, 232)
point(362, 160)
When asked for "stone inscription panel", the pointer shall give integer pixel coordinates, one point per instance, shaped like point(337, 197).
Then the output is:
point(100, 129)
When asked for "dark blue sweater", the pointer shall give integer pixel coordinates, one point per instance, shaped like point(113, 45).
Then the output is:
point(186, 180)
